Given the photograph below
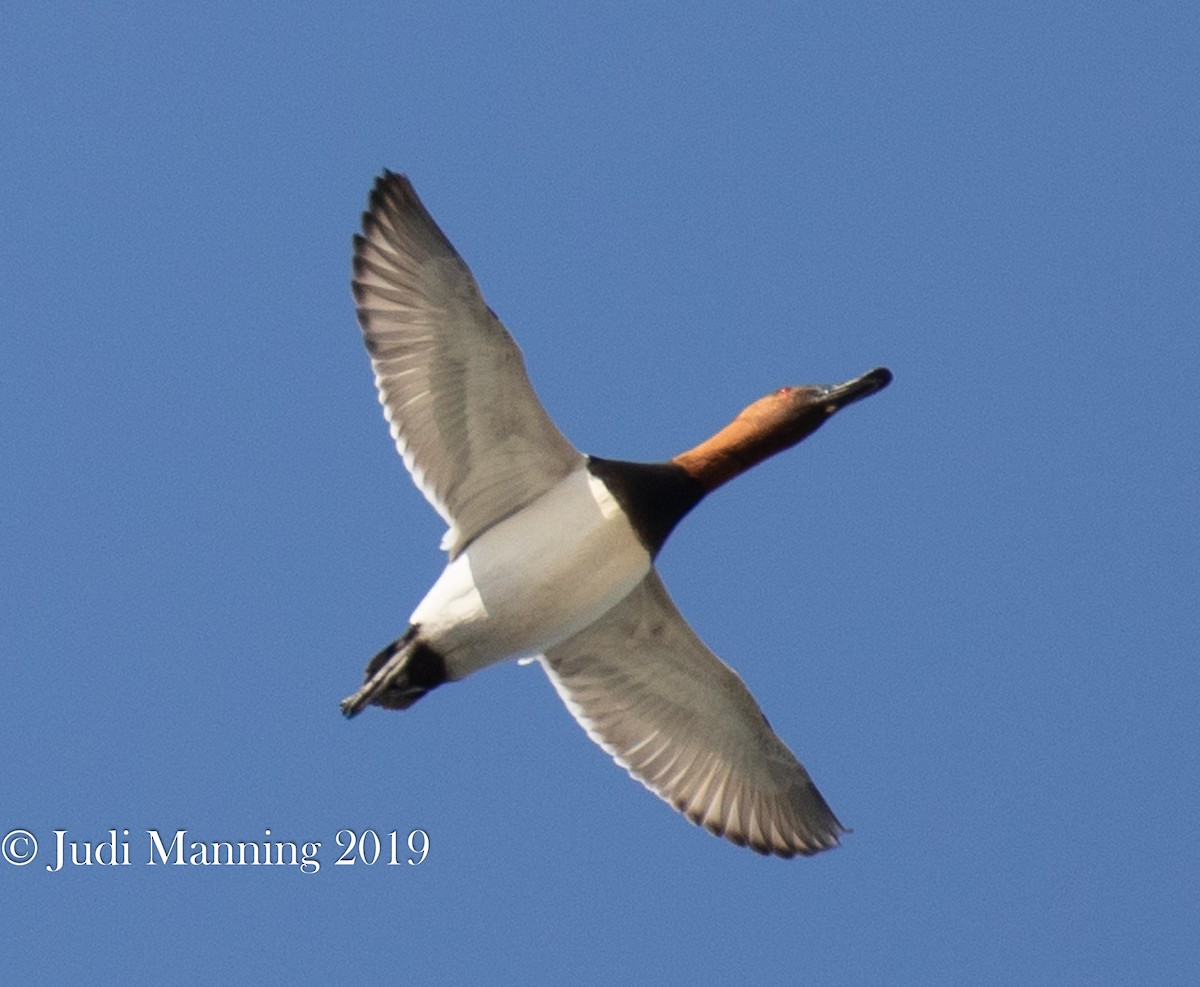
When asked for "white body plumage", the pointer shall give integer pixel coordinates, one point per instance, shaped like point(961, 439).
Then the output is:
point(534, 579)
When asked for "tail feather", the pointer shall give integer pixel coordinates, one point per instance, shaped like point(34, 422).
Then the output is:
point(398, 676)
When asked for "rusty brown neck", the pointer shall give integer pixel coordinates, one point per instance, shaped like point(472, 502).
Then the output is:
point(772, 424)
point(743, 443)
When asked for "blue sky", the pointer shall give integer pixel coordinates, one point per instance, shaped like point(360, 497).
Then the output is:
point(968, 604)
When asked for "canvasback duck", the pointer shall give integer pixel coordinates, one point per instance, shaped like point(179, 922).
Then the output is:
point(551, 552)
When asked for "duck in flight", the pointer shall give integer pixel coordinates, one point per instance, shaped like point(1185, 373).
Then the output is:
point(551, 552)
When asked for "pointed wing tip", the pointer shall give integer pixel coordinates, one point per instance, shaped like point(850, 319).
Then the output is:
point(807, 847)
point(800, 842)
point(391, 193)
point(392, 187)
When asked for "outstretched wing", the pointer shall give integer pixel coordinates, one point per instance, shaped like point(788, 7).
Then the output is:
point(649, 692)
point(452, 382)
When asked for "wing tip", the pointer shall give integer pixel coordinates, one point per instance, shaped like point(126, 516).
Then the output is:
point(799, 840)
point(393, 192)
point(393, 181)
point(396, 214)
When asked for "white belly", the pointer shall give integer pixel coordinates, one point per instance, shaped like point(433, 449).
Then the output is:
point(534, 579)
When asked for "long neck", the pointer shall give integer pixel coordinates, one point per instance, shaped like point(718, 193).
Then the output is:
point(772, 424)
point(743, 443)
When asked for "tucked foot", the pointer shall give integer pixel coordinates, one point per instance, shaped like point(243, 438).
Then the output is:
point(398, 676)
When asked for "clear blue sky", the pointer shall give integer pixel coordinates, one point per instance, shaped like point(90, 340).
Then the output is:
point(969, 604)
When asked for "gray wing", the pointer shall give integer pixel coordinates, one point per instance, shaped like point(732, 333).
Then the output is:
point(473, 434)
point(649, 692)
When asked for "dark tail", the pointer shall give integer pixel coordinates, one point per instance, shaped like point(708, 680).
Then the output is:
point(398, 676)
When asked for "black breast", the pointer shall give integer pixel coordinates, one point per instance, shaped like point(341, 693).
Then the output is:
point(655, 496)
